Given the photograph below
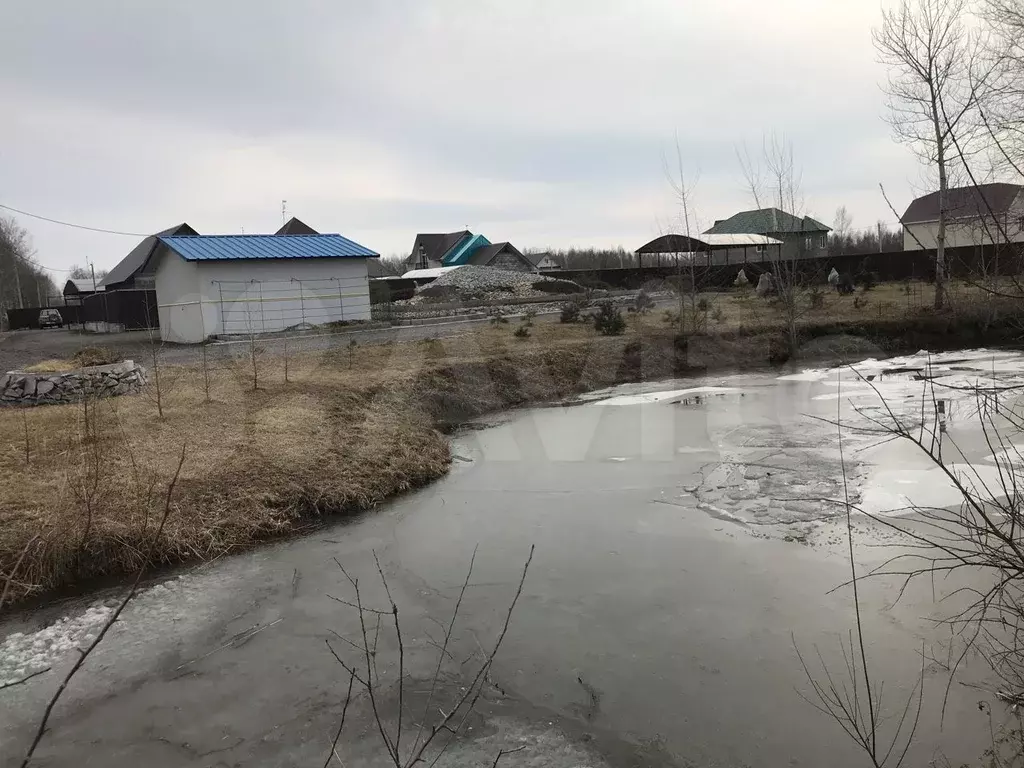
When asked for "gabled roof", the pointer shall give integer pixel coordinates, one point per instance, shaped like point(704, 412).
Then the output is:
point(484, 255)
point(295, 226)
point(435, 246)
point(766, 221)
point(76, 285)
point(536, 257)
point(246, 247)
point(971, 202)
point(139, 255)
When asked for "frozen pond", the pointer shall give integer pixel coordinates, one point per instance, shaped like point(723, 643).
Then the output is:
point(686, 533)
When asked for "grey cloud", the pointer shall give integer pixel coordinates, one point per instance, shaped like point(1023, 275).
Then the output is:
point(580, 97)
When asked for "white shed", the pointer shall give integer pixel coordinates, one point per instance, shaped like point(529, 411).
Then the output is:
point(217, 285)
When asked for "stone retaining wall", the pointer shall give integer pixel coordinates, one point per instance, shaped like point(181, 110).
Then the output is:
point(25, 388)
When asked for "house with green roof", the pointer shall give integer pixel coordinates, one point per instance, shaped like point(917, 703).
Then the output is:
point(802, 237)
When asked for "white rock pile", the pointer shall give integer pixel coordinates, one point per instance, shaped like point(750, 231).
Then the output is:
point(485, 283)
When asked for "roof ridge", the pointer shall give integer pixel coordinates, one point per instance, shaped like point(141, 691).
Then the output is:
point(248, 234)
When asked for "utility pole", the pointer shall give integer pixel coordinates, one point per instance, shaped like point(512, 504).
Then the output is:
point(92, 269)
point(17, 281)
point(284, 211)
point(879, 237)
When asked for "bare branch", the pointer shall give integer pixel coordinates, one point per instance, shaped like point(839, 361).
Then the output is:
point(114, 616)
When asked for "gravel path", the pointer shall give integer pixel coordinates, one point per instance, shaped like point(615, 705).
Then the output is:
point(19, 349)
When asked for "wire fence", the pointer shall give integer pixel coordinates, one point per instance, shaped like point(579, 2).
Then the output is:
point(230, 308)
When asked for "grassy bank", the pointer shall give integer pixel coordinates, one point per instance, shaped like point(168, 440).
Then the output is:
point(82, 487)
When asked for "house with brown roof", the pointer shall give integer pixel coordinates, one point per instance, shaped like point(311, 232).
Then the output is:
point(127, 275)
point(985, 214)
point(457, 249)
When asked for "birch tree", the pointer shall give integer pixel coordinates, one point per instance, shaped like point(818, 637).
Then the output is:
point(930, 55)
point(682, 190)
point(775, 180)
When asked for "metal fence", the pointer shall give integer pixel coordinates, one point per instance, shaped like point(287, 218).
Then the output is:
point(269, 306)
point(128, 310)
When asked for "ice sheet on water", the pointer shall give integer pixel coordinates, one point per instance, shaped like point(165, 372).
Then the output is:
point(22, 653)
point(975, 361)
point(671, 395)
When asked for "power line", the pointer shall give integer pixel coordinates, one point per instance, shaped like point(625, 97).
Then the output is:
point(69, 224)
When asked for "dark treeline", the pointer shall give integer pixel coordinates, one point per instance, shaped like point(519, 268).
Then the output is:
point(591, 258)
point(865, 241)
point(22, 282)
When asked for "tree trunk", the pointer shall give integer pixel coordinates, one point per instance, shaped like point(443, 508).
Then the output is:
point(940, 237)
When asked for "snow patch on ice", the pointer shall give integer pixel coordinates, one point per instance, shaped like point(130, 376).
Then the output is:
point(672, 395)
point(975, 361)
point(22, 653)
point(897, 491)
point(809, 374)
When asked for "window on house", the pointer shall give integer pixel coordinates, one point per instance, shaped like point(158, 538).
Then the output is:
point(760, 248)
point(808, 243)
point(1020, 224)
point(823, 241)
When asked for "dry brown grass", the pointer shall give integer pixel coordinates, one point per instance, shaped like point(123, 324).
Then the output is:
point(51, 366)
point(351, 427)
point(258, 464)
point(83, 358)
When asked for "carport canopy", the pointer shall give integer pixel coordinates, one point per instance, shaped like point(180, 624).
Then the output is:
point(703, 243)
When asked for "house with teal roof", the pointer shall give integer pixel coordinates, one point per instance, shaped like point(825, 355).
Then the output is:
point(458, 249)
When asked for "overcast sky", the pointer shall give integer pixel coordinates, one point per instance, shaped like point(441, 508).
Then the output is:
point(541, 122)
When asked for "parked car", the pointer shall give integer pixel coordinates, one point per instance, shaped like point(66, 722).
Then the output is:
point(50, 318)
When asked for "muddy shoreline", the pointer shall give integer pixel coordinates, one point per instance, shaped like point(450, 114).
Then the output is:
point(453, 394)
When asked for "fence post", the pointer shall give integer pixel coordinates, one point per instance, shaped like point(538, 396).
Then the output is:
point(341, 300)
point(263, 318)
point(223, 323)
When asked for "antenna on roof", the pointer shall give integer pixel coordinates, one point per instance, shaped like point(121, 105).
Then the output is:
point(284, 211)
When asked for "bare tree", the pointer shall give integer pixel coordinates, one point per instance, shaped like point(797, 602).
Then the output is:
point(78, 272)
point(393, 265)
point(982, 535)
point(682, 190)
point(426, 741)
point(930, 55)
point(774, 177)
point(1002, 96)
point(843, 223)
point(84, 653)
point(851, 696)
point(20, 276)
point(842, 226)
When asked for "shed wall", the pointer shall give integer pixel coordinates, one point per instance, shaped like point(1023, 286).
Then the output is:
point(244, 297)
point(177, 295)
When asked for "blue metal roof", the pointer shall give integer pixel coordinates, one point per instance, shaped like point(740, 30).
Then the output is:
point(237, 247)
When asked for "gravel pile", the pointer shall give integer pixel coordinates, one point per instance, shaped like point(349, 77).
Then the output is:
point(471, 282)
